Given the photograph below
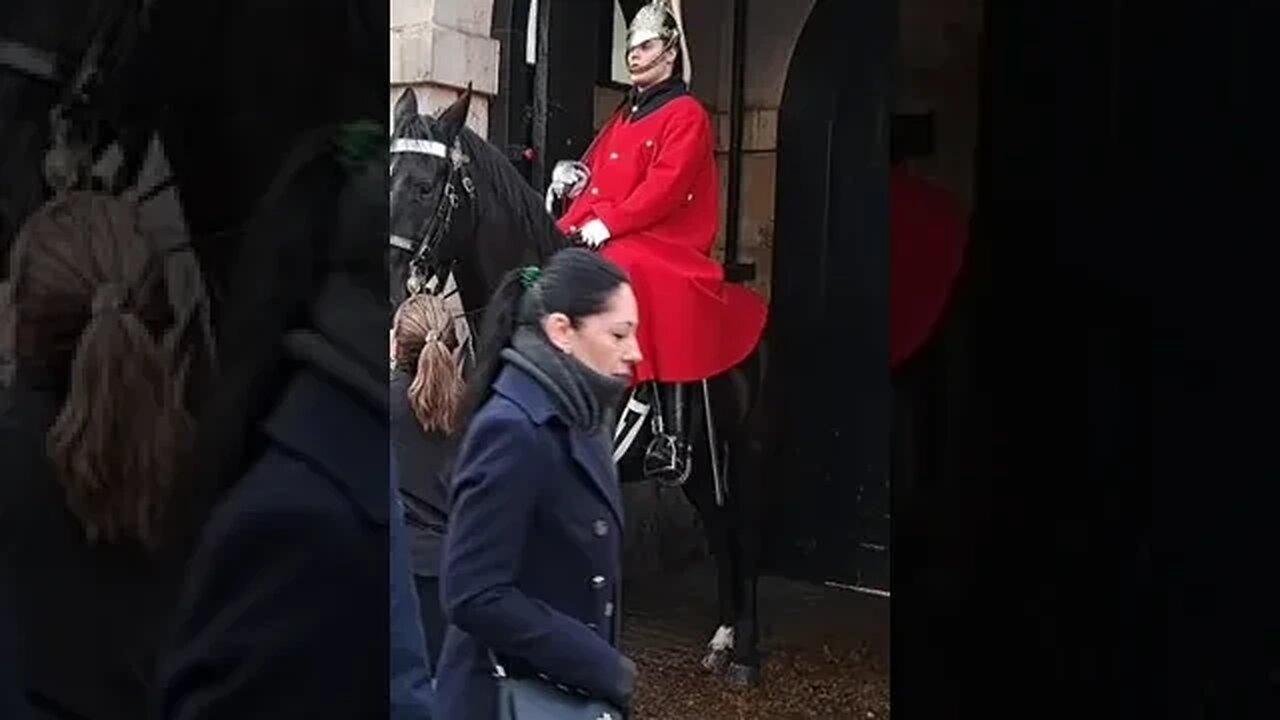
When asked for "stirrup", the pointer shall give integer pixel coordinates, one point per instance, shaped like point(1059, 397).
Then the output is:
point(668, 460)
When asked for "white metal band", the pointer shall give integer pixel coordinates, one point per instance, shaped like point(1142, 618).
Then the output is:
point(23, 58)
point(636, 408)
point(402, 242)
point(420, 147)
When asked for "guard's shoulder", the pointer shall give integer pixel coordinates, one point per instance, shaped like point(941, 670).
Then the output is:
point(689, 106)
point(687, 112)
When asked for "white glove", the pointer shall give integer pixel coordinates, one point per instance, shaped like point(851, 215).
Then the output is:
point(595, 233)
point(569, 178)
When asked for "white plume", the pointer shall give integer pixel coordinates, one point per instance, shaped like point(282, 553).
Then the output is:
point(686, 60)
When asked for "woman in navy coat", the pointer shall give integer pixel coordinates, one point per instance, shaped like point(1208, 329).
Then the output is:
point(533, 551)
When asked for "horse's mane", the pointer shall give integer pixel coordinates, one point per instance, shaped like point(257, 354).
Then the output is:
point(526, 214)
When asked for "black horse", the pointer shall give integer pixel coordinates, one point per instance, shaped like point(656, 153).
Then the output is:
point(460, 208)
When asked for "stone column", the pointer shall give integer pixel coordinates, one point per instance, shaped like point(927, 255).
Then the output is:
point(437, 47)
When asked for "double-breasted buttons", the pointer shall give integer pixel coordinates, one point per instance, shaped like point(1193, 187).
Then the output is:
point(689, 198)
point(595, 191)
point(597, 582)
point(600, 528)
point(608, 609)
point(648, 143)
point(593, 626)
point(613, 156)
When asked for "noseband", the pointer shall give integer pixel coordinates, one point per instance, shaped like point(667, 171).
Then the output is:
point(442, 220)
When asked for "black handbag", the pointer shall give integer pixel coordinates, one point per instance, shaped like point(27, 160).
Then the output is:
point(531, 699)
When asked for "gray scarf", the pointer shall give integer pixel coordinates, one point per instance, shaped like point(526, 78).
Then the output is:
point(587, 398)
point(346, 333)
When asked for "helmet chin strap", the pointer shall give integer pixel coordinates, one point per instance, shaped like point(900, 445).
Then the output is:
point(657, 60)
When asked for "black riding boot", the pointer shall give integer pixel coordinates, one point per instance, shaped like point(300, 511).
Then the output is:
point(669, 457)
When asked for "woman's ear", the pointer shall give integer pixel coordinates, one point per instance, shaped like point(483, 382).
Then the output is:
point(559, 330)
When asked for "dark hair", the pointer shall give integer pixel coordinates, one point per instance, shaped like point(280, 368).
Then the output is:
point(575, 282)
point(300, 235)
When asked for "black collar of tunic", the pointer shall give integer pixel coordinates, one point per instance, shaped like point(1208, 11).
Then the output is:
point(639, 105)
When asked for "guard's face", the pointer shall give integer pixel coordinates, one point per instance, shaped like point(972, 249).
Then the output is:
point(650, 63)
point(605, 342)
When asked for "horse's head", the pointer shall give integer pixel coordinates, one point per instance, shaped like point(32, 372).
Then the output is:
point(432, 194)
point(57, 60)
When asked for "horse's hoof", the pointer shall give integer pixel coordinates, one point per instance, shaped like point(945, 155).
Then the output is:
point(743, 676)
point(715, 661)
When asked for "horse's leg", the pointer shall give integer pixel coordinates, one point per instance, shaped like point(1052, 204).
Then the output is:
point(744, 669)
point(700, 490)
point(747, 477)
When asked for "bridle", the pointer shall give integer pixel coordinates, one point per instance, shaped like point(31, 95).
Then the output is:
point(440, 222)
point(77, 82)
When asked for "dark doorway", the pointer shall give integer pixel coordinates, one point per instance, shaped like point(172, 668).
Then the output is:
point(544, 111)
point(829, 322)
point(511, 110)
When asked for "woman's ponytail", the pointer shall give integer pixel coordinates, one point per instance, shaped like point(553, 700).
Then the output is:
point(437, 386)
point(117, 440)
point(92, 309)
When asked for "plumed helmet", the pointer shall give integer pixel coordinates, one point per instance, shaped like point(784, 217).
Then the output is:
point(661, 19)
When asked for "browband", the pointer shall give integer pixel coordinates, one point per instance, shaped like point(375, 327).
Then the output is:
point(420, 147)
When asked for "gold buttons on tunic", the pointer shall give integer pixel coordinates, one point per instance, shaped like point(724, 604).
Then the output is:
point(613, 156)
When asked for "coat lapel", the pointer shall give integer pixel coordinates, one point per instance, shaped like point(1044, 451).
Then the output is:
point(593, 457)
point(599, 467)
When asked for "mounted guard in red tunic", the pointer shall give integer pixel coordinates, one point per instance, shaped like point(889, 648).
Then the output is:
point(647, 193)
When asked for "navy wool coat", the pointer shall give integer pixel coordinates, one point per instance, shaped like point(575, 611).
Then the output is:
point(285, 610)
point(532, 556)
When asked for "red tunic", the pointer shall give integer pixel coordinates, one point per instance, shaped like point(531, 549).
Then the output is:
point(927, 244)
point(654, 184)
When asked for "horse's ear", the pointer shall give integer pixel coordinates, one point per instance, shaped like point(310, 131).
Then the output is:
point(406, 107)
point(454, 117)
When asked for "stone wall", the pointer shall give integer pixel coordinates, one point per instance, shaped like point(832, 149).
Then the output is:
point(437, 48)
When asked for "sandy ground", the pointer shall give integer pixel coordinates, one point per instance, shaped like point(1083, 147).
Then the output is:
point(826, 652)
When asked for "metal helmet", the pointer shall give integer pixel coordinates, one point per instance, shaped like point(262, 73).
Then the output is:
point(661, 19)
